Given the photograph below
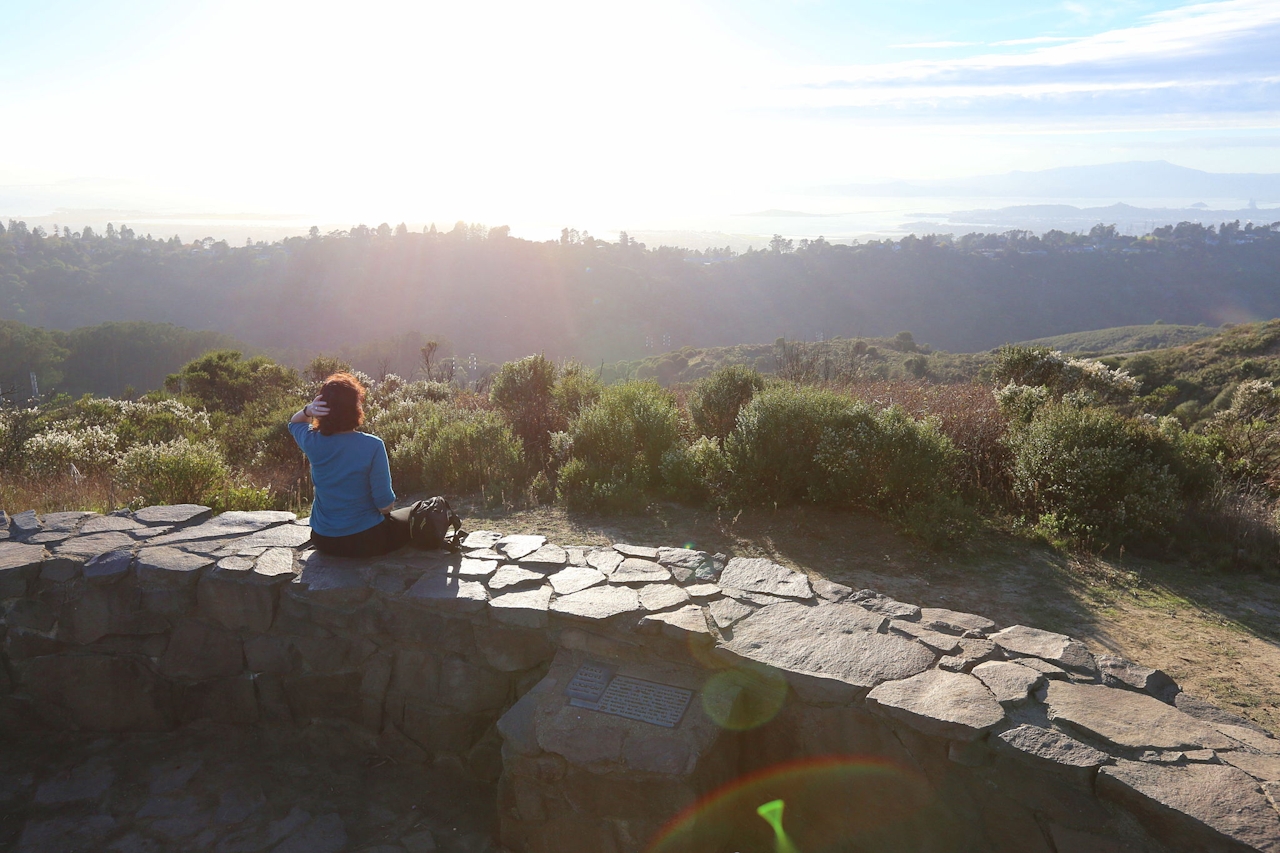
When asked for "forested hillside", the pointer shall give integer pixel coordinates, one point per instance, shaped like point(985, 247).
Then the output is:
point(500, 297)
point(107, 359)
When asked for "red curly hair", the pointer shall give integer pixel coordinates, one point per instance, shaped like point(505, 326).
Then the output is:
point(345, 396)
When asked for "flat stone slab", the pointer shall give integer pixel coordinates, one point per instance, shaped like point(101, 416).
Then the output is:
point(1264, 768)
point(1127, 719)
point(437, 587)
point(684, 558)
point(547, 558)
point(328, 580)
point(274, 565)
point(83, 548)
point(727, 611)
point(108, 567)
point(526, 609)
point(886, 606)
point(481, 539)
point(1010, 682)
point(661, 596)
point(1042, 666)
point(680, 623)
point(518, 546)
point(16, 557)
point(758, 598)
point(486, 554)
point(943, 644)
point(169, 568)
point(636, 570)
point(1118, 672)
point(575, 579)
point(175, 514)
point(837, 641)
point(470, 567)
point(942, 704)
point(231, 568)
point(703, 590)
point(24, 524)
point(1049, 746)
point(283, 536)
point(754, 574)
point(105, 523)
point(1224, 800)
point(641, 551)
point(954, 621)
point(215, 529)
point(64, 522)
point(829, 590)
point(1260, 741)
point(598, 602)
point(604, 560)
point(507, 576)
point(1046, 645)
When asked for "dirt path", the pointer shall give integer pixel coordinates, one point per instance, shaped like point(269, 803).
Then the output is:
point(1217, 635)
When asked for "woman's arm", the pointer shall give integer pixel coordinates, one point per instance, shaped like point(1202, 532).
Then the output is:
point(380, 480)
point(317, 408)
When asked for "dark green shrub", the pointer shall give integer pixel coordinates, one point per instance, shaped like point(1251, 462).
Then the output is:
point(616, 446)
point(459, 451)
point(771, 450)
point(715, 401)
point(884, 458)
point(176, 472)
point(576, 388)
point(522, 390)
point(539, 398)
point(223, 381)
point(696, 473)
point(809, 444)
point(1093, 475)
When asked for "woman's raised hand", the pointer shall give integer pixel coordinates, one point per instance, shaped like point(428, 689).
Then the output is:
point(317, 408)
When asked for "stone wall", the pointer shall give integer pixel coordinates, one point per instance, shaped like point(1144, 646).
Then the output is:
point(966, 736)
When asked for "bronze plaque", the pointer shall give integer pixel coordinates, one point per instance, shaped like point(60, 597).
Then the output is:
point(595, 687)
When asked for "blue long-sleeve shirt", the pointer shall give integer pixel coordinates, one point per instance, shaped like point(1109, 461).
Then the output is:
point(352, 477)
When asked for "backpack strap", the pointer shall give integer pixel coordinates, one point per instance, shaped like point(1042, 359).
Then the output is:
point(454, 542)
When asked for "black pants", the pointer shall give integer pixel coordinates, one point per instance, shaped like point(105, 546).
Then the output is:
point(374, 542)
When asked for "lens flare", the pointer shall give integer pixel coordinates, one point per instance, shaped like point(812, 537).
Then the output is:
point(772, 813)
point(834, 803)
point(742, 698)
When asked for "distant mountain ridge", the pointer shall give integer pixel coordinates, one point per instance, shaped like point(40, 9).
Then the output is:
point(1136, 179)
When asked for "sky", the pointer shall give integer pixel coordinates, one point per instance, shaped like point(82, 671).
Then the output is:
point(572, 112)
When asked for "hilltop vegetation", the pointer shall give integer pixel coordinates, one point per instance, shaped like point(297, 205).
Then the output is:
point(1124, 339)
point(1200, 379)
point(1062, 448)
point(501, 298)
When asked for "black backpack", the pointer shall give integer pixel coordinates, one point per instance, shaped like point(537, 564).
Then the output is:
point(429, 522)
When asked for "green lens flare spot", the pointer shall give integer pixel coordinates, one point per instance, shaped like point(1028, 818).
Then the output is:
point(772, 814)
point(741, 699)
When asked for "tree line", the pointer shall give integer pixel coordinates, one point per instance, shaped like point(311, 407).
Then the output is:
point(500, 297)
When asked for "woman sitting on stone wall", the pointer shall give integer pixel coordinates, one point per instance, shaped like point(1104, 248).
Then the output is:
point(351, 473)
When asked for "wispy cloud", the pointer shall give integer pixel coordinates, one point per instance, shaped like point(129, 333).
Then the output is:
point(1034, 40)
point(935, 44)
point(1203, 59)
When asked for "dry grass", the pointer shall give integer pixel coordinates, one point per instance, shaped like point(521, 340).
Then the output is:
point(56, 494)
